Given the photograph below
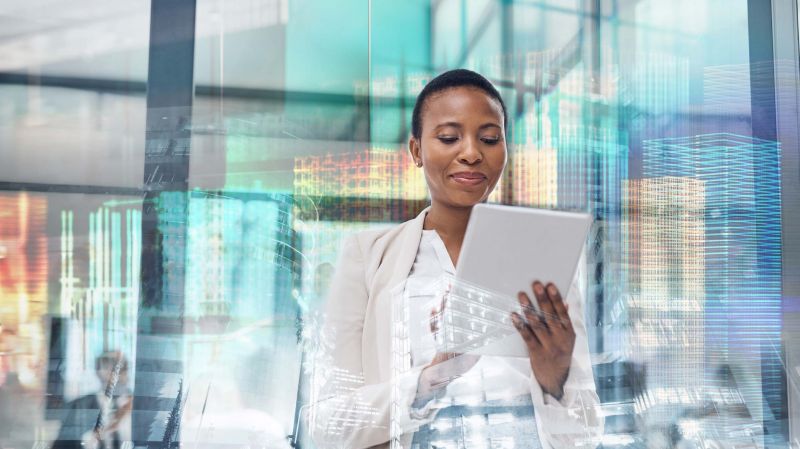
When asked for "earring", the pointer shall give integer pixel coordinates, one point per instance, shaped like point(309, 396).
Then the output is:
point(419, 163)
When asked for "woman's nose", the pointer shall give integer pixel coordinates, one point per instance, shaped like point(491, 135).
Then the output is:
point(470, 154)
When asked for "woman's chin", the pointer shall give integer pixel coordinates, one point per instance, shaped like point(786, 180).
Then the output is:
point(462, 199)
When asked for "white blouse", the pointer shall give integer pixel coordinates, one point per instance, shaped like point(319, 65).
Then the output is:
point(432, 262)
point(503, 377)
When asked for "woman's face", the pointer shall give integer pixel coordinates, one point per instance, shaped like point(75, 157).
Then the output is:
point(462, 145)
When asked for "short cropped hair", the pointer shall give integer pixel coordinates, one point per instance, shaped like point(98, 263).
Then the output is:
point(449, 80)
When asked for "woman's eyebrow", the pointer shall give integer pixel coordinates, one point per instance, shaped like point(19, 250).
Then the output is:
point(445, 124)
point(459, 125)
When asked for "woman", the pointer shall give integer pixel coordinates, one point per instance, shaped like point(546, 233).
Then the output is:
point(458, 139)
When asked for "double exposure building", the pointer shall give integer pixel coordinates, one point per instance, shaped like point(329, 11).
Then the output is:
point(742, 239)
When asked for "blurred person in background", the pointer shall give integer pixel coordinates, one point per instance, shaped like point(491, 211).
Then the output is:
point(101, 420)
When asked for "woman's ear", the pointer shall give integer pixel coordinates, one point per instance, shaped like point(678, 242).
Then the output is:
point(414, 149)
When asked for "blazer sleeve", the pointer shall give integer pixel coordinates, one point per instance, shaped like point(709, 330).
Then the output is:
point(344, 411)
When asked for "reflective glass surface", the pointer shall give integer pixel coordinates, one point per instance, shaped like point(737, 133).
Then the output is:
point(178, 179)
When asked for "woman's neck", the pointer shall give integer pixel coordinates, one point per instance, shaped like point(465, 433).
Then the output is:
point(451, 224)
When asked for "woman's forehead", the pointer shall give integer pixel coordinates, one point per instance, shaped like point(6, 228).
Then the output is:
point(463, 102)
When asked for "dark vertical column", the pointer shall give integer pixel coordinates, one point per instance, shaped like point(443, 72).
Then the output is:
point(762, 72)
point(787, 90)
point(596, 198)
point(508, 73)
point(764, 124)
point(158, 388)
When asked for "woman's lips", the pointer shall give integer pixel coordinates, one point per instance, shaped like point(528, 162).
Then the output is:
point(469, 179)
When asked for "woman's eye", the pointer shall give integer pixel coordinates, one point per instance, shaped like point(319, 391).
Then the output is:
point(447, 139)
point(490, 140)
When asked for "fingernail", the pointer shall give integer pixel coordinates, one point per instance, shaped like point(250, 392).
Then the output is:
point(538, 287)
point(552, 289)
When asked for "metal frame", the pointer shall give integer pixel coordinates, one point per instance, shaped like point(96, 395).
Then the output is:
point(133, 87)
point(170, 92)
point(785, 60)
point(772, 37)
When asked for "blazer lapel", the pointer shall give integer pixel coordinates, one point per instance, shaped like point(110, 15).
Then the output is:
point(394, 268)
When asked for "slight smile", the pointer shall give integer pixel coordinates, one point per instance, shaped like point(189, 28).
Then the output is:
point(469, 178)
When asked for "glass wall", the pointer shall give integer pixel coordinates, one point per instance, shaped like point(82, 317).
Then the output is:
point(178, 177)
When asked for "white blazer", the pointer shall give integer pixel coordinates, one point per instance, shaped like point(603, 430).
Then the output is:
point(351, 407)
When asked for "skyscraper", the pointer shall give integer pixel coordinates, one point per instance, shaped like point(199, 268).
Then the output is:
point(533, 175)
point(742, 253)
point(664, 257)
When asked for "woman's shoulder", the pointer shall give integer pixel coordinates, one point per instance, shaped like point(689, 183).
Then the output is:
point(378, 236)
point(366, 253)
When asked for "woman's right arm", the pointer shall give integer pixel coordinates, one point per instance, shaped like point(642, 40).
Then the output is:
point(344, 411)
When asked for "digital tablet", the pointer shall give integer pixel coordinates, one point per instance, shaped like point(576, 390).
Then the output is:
point(507, 248)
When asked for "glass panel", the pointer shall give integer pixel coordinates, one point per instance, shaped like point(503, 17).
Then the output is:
point(73, 87)
point(280, 107)
point(70, 289)
point(54, 135)
point(72, 131)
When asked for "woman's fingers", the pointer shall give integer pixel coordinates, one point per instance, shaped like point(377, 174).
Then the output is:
point(531, 340)
point(550, 314)
point(559, 306)
point(437, 315)
point(555, 299)
point(542, 298)
point(434, 322)
point(531, 316)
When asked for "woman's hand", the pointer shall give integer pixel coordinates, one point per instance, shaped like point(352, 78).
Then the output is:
point(443, 369)
point(445, 366)
point(548, 335)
